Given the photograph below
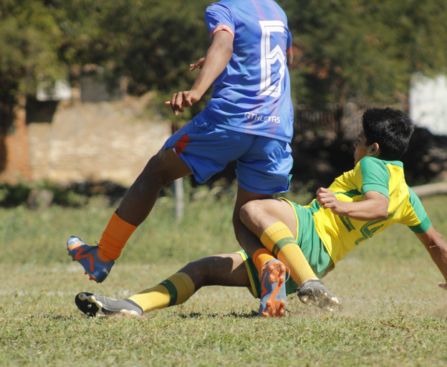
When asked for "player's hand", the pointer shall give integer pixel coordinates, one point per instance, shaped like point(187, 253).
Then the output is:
point(197, 65)
point(327, 200)
point(181, 100)
point(443, 285)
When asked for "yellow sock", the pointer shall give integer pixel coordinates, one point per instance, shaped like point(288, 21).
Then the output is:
point(114, 238)
point(178, 288)
point(279, 240)
point(261, 257)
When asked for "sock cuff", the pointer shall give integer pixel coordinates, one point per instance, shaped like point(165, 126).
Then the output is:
point(118, 229)
point(270, 231)
point(189, 284)
point(261, 251)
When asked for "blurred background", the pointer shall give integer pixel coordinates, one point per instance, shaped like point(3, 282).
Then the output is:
point(82, 86)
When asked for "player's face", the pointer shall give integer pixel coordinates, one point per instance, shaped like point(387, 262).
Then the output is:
point(361, 149)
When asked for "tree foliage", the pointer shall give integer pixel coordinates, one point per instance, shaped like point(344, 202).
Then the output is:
point(365, 49)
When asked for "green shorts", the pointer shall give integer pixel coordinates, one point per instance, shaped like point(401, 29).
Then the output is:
point(309, 242)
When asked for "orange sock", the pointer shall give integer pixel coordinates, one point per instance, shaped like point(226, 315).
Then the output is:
point(114, 238)
point(261, 257)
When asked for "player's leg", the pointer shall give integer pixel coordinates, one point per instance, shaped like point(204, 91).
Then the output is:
point(224, 270)
point(199, 148)
point(162, 169)
point(263, 171)
point(276, 223)
point(271, 271)
point(136, 205)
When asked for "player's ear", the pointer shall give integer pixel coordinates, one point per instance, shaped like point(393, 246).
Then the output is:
point(374, 150)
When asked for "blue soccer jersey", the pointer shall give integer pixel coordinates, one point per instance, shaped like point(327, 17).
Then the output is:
point(252, 95)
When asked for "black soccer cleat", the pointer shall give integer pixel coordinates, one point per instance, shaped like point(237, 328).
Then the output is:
point(313, 292)
point(95, 305)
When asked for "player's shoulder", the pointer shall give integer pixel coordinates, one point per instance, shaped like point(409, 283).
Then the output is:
point(369, 161)
point(223, 4)
point(371, 165)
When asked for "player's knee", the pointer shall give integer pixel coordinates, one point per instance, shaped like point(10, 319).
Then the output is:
point(157, 169)
point(250, 210)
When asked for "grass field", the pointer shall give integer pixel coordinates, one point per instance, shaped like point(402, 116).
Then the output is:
point(392, 314)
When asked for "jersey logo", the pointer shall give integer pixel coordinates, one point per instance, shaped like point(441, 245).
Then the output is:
point(347, 223)
point(270, 57)
point(368, 230)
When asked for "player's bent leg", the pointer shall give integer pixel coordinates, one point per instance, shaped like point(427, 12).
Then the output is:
point(313, 292)
point(223, 270)
point(246, 238)
point(162, 169)
point(136, 205)
point(275, 223)
point(273, 296)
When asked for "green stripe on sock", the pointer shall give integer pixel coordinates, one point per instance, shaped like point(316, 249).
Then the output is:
point(172, 291)
point(281, 243)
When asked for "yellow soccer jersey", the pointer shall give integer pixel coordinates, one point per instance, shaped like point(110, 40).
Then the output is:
point(341, 234)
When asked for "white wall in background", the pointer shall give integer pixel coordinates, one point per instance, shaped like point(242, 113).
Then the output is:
point(428, 103)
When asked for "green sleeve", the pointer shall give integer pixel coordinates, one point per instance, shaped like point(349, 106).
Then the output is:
point(375, 176)
point(419, 212)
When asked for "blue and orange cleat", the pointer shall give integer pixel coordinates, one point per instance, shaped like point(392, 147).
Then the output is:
point(273, 297)
point(87, 256)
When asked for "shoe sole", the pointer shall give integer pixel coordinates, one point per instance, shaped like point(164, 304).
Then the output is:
point(320, 299)
point(275, 308)
point(90, 306)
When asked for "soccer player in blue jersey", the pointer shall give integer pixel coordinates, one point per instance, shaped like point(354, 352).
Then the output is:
point(358, 205)
point(248, 119)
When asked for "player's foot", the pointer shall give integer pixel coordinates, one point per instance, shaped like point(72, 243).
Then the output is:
point(94, 304)
point(87, 256)
point(273, 282)
point(313, 292)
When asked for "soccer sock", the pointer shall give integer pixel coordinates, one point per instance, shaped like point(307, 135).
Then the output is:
point(178, 288)
point(262, 257)
point(114, 238)
point(279, 240)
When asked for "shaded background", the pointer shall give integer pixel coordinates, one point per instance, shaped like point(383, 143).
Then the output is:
point(63, 60)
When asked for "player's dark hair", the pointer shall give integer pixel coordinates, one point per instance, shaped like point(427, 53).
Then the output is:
point(390, 128)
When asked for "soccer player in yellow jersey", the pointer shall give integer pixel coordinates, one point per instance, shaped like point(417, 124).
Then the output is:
point(359, 204)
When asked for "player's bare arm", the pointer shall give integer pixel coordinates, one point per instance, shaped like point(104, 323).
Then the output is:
point(436, 246)
point(214, 63)
point(374, 207)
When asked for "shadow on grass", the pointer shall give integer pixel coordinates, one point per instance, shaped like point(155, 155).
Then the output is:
point(196, 315)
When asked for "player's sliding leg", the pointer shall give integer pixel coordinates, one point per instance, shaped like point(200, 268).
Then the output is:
point(136, 205)
point(224, 270)
point(273, 222)
point(273, 295)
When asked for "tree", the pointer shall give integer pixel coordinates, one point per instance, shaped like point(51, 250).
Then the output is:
point(364, 48)
point(29, 40)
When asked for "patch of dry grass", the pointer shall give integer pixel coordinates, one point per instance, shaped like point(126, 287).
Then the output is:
point(392, 314)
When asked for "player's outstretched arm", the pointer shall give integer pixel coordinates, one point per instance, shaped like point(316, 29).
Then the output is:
point(215, 62)
point(436, 246)
point(374, 207)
